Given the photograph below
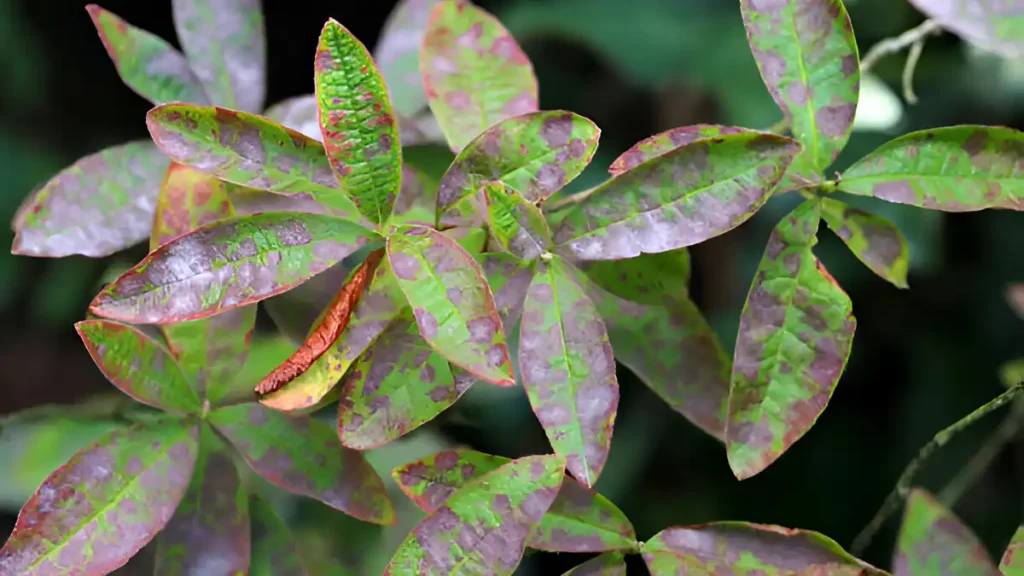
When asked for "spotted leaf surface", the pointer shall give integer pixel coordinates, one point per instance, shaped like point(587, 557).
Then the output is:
point(138, 365)
point(146, 63)
point(101, 204)
point(678, 199)
point(482, 528)
point(451, 301)
point(645, 279)
point(568, 369)
point(794, 338)
point(188, 200)
point(579, 520)
point(1012, 563)
point(303, 455)
point(108, 501)
point(995, 25)
point(509, 279)
point(934, 541)
point(743, 548)
point(807, 56)
point(228, 265)
point(607, 564)
point(225, 45)
point(300, 113)
point(518, 225)
point(954, 169)
point(875, 241)
point(667, 141)
point(474, 73)
point(359, 127)
point(211, 525)
point(398, 54)
point(250, 151)
point(274, 550)
point(417, 200)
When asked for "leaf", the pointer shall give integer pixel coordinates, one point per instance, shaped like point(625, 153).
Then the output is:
point(483, 527)
point(107, 502)
point(303, 455)
point(953, 169)
point(211, 525)
point(300, 113)
point(138, 365)
point(1015, 294)
point(681, 198)
point(875, 241)
point(579, 520)
point(358, 125)
point(398, 54)
point(607, 564)
point(248, 150)
point(274, 550)
point(474, 73)
point(228, 265)
point(509, 278)
point(101, 204)
point(147, 64)
point(747, 548)
point(794, 338)
point(807, 56)
point(932, 540)
point(516, 224)
point(451, 301)
point(1013, 559)
point(188, 200)
point(224, 42)
point(667, 141)
point(470, 239)
point(568, 369)
point(536, 154)
point(990, 24)
point(645, 279)
point(416, 202)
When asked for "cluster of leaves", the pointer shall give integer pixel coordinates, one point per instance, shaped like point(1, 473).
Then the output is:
point(251, 206)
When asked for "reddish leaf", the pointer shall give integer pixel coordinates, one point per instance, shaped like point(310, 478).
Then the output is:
point(300, 113)
point(188, 200)
point(1012, 563)
point(398, 54)
point(875, 241)
point(667, 141)
point(607, 564)
point(274, 550)
point(934, 541)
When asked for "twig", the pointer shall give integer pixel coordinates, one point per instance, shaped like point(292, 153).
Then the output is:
point(898, 43)
point(977, 466)
point(908, 70)
point(568, 200)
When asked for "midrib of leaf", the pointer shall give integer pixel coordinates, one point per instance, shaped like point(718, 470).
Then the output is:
point(815, 141)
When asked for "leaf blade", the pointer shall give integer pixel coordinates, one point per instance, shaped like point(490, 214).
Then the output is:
point(1012, 562)
point(875, 241)
point(932, 539)
point(992, 25)
point(398, 54)
point(667, 141)
point(517, 225)
point(274, 550)
point(607, 564)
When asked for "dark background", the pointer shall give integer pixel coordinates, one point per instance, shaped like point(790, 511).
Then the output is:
point(922, 358)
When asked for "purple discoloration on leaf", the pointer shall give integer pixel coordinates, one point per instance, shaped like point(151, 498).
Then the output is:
point(398, 54)
point(667, 141)
point(517, 225)
point(607, 564)
point(417, 200)
point(873, 240)
point(300, 113)
point(509, 279)
point(991, 24)
point(933, 541)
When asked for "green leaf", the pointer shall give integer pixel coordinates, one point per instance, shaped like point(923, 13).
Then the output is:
point(451, 301)
point(146, 63)
point(994, 25)
point(875, 241)
point(745, 548)
point(794, 338)
point(678, 199)
point(228, 265)
point(417, 200)
point(509, 278)
point(932, 541)
point(474, 72)
point(211, 525)
point(138, 365)
point(107, 502)
point(607, 564)
point(274, 550)
point(303, 455)
point(225, 43)
point(300, 113)
point(568, 369)
point(579, 520)
point(1012, 563)
point(249, 150)
point(398, 54)
point(953, 169)
point(517, 225)
point(101, 204)
point(667, 141)
point(807, 56)
point(358, 125)
point(482, 528)
point(645, 279)
point(471, 239)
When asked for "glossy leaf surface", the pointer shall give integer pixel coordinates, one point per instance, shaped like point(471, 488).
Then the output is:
point(107, 502)
point(607, 564)
point(99, 205)
point(667, 141)
point(682, 197)
point(274, 550)
point(482, 528)
point(934, 541)
point(474, 73)
point(228, 265)
point(451, 301)
point(300, 113)
point(875, 241)
point(398, 54)
point(992, 24)
point(517, 225)
point(303, 455)
point(1012, 563)
point(794, 338)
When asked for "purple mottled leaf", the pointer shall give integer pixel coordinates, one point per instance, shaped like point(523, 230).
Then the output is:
point(667, 141)
point(607, 564)
point(647, 279)
point(994, 25)
point(274, 550)
point(516, 224)
point(875, 241)
point(1012, 563)
point(300, 113)
point(108, 501)
point(416, 202)
point(398, 54)
point(934, 541)
point(509, 279)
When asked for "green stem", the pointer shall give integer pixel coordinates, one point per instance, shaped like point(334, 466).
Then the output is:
point(567, 200)
point(981, 461)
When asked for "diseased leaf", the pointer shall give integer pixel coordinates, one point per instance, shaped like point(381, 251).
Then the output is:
point(451, 301)
point(875, 241)
point(300, 113)
point(417, 200)
point(398, 54)
point(645, 279)
point(934, 541)
point(794, 338)
point(225, 43)
point(579, 520)
point(747, 548)
point(474, 73)
point(188, 200)
point(147, 64)
point(101, 204)
point(107, 502)
point(607, 564)
point(953, 169)
point(358, 125)
point(667, 141)
point(994, 25)
point(509, 279)
point(472, 240)
point(518, 225)
point(303, 455)
point(568, 370)
point(138, 365)
point(211, 525)
point(274, 550)
point(1012, 563)
point(228, 265)
point(681, 198)
point(482, 528)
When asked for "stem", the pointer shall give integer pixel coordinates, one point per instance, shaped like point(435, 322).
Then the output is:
point(895, 498)
point(898, 43)
point(568, 200)
point(977, 466)
point(908, 70)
